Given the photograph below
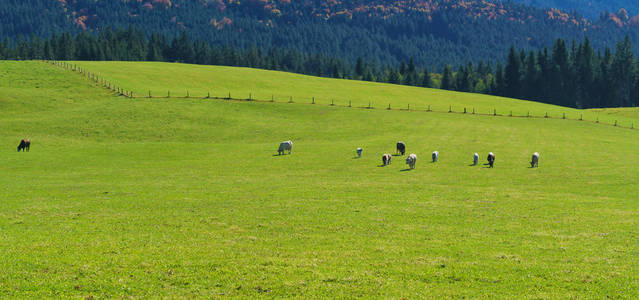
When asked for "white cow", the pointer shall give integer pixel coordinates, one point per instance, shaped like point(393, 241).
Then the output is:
point(285, 146)
point(435, 156)
point(535, 160)
point(411, 160)
point(475, 159)
point(359, 152)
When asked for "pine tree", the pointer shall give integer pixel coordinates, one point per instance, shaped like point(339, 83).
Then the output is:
point(368, 75)
point(512, 75)
point(585, 74)
point(604, 82)
point(530, 88)
point(623, 71)
point(427, 81)
point(4, 49)
point(394, 77)
point(447, 78)
point(499, 86)
point(462, 79)
point(560, 72)
point(359, 67)
point(402, 68)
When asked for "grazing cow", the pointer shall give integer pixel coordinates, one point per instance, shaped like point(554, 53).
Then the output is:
point(359, 152)
point(475, 159)
point(401, 148)
point(285, 146)
point(386, 159)
point(491, 159)
point(535, 160)
point(24, 145)
point(411, 160)
point(435, 156)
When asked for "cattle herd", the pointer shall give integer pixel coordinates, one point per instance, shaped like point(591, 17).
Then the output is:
point(411, 160)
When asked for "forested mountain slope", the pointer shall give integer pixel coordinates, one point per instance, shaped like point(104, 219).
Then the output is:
point(433, 32)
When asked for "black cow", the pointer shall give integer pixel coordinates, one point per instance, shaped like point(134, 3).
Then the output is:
point(491, 159)
point(401, 148)
point(24, 145)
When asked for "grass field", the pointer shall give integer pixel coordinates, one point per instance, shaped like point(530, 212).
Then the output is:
point(198, 81)
point(184, 198)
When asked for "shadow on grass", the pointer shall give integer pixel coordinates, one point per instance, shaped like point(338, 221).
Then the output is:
point(406, 170)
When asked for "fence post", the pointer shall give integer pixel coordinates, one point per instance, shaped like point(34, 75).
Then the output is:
point(313, 102)
point(581, 117)
point(464, 110)
point(546, 115)
point(494, 111)
point(450, 108)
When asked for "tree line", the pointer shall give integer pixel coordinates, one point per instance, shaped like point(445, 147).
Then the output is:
point(131, 44)
point(575, 75)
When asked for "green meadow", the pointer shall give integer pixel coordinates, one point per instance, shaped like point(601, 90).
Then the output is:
point(186, 197)
point(180, 80)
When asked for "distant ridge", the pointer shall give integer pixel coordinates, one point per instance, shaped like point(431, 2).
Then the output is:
point(432, 32)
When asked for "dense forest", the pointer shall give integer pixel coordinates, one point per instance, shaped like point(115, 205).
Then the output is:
point(574, 75)
point(383, 32)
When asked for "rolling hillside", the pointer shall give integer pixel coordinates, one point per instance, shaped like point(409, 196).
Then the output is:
point(171, 198)
point(219, 81)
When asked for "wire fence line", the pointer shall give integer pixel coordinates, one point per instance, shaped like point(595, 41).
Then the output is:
point(101, 81)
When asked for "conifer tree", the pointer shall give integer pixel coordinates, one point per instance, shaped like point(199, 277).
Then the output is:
point(512, 74)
